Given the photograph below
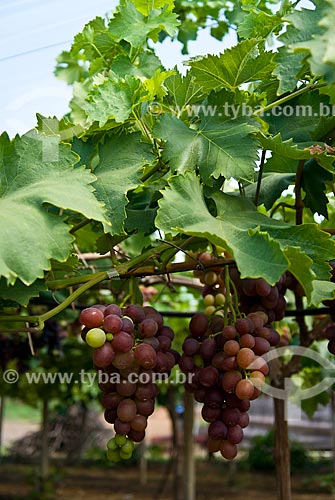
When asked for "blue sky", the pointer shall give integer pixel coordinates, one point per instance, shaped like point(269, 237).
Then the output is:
point(32, 34)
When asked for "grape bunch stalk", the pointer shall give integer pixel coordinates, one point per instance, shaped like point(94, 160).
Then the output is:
point(132, 350)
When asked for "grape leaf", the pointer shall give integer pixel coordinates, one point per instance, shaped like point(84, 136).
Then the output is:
point(262, 247)
point(288, 68)
point(259, 24)
point(313, 183)
point(146, 6)
point(313, 33)
point(36, 170)
point(304, 118)
point(217, 147)
point(183, 209)
point(145, 66)
point(242, 63)
point(272, 186)
point(20, 293)
point(283, 151)
point(183, 91)
point(131, 25)
point(114, 98)
point(301, 267)
point(322, 290)
point(121, 162)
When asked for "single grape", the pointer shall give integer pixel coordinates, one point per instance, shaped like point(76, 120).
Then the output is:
point(112, 323)
point(245, 357)
point(134, 312)
point(235, 434)
point(145, 355)
point(95, 337)
point(113, 309)
point(104, 355)
point(147, 328)
point(126, 410)
point(91, 317)
point(139, 423)
point(228, 450)
point(120, 440)
point(198, 325)
point(218, 430)
point(244, 389)
point(122, 342)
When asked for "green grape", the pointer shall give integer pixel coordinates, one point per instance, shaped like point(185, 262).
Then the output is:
point(109, 337)
point(113, 455)
point(125, 456)
point(209, 300)
point(128, 447)
point(120, 439)
point(95, 337)
point(220, 299)
point(209, 310)
point(112, 445)
point(198, 361)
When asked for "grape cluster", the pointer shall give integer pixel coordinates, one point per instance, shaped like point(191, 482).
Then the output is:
point(132, 349)
point(253, 294)
point(227, 371)
point(258, 295)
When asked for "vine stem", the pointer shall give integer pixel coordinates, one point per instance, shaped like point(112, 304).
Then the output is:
point(289, 97)
point(260, 176)
point(299, 204)
point(125, 270)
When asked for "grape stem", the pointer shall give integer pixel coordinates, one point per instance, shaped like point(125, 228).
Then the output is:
point(125, 270)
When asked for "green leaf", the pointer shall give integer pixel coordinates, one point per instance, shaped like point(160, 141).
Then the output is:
point(242, 63)
point(313, 183)
point(284, 151)
point(37, 171)
point(20, 293)
point(259, 24)
point(146, 6)
point(217, 147)
point(313, 33)
point(183, 91)
point(301, 267)
point(304, 118)
point(272, 186)
point(131, 25)
point(69, 69)
point(322, 290)
point(262, 247)
point(114, 98)
point(188, 31)
point(145, 66)
point(122, 159)
point(288, 68)
point(183, 209)
point(155, 85)
point(317, 244)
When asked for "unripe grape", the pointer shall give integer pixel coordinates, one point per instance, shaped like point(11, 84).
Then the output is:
point(95, 337)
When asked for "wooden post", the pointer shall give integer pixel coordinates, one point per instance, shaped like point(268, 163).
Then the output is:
point(44, 460)
point(2, 409)
point(189, 463)
point(282, 451)
point(333, 428)
point(143, 464)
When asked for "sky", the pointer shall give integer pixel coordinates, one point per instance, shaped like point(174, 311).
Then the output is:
point(32, 34)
